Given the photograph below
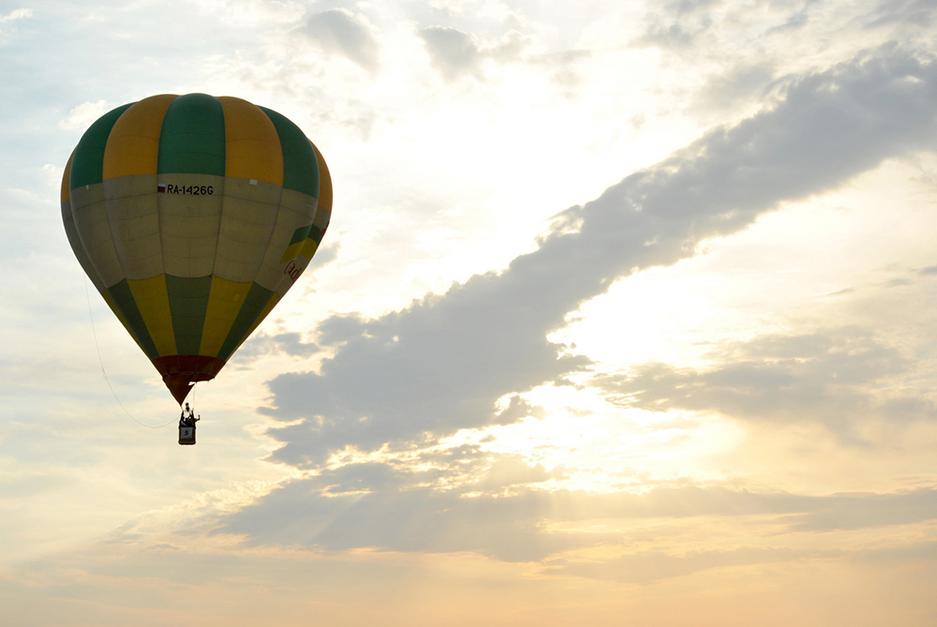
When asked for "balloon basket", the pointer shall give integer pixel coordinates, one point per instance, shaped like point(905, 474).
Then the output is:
point(186, 435)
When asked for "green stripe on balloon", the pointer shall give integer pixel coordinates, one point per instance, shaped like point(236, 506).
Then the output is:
point(88, 162)
point(300, 234)
point(188, 302)
point(300, 170)
point(123, 298)
point(257, 298)
point(192, 139)
point(315, 233)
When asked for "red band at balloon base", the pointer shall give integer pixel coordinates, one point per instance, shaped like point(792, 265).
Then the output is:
point(181, 372)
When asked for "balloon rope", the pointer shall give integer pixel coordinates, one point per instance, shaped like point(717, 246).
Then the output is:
point(107, 380)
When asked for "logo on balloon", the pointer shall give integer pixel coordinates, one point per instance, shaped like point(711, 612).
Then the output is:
point(292, 271)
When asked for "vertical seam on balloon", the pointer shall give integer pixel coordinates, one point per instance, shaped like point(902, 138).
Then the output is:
point(144, 329)
point(88, 184)
point(312, 221)
point(323, 174)
point(159, 220)
point(315, 212)
point(279, 205)
point(221, 205)
point(285, 282)
point(225, 342)
point(272, 227)
point(107, 213)
point(159, 199)
point(120, 262)
point(224, 178)
point(180, 151)
point(98, 279)
point(81, 155)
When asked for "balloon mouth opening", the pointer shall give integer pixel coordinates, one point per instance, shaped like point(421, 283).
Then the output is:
point(181, 372)
point(179, 386)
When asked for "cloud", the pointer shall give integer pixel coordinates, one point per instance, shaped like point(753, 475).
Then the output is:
point(26, 485)
point(798, 19)
point(280, 343)
point(674, 35)
point(392, 508)
point(915, 13)
point(379, 506)
point(680, 23)
point(455, 53)
point(339, 30)
point(16, 14)
point(82, 115)
point(735, 85)
point(441, 364)
point(837, 379)
point(452, 51)
point(859, 511)
point(648, 566)
point(562, 65)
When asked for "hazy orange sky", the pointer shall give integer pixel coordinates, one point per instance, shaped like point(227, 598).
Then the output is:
point(625, 316)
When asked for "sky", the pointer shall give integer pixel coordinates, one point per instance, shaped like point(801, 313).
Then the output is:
point(626, 315)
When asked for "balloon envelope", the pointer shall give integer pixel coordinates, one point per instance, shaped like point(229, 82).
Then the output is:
point(193, 216)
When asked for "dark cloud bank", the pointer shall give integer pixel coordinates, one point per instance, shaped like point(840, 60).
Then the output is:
point(377, 505)
point(439, 365)
point(837, 379)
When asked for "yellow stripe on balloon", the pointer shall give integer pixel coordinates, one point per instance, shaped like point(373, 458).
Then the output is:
point(133, 144)
point(252, 146)
point(292, 251)
point(306, 249)
point(309, 248)
point(66, 176)
point(325, 189)
point(224, 303)
point(152, 300)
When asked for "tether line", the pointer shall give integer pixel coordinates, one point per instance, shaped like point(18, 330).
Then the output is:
point(107, 379)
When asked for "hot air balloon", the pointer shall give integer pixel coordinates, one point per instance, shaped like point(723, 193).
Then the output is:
point(193, 215)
